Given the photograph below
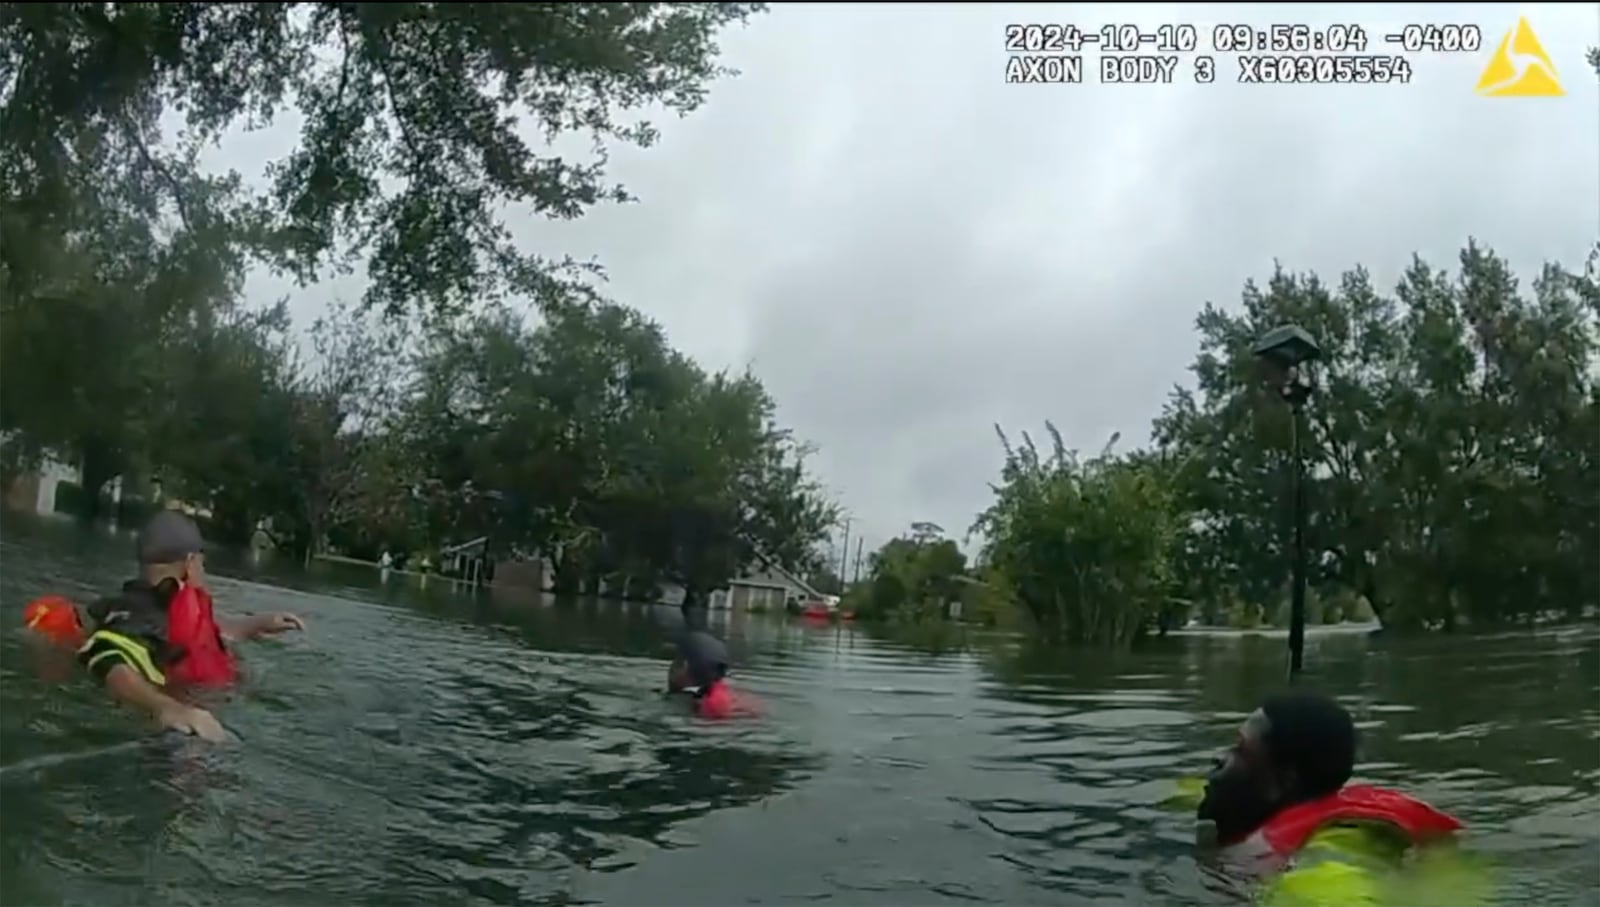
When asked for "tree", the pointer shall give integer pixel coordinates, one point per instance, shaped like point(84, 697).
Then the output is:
point(1454, 419)
point(1230, 437)
point(1085, 546)
point(580, 410)
point(102, 276)
point(413, 139)
point(94, 294)
point(1499, 390)
point(913, 577)
point(716, 487)
point(225, 420)
point(465, 424)
point(609, 452)
point(340, 404)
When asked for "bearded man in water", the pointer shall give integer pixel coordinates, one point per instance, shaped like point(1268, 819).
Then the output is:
point(1281, 798)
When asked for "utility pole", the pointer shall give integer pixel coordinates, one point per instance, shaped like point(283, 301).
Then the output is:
point(859, 540)
point(844, 553)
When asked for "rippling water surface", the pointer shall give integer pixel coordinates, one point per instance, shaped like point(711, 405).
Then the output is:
point(423, 746)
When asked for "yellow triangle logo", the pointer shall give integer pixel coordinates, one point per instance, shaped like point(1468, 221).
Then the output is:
point(1520, 68)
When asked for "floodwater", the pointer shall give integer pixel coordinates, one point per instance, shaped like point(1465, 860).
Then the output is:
point(430, 747)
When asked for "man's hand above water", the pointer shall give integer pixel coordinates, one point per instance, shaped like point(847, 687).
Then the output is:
point(190, 719)
point(126, 685)
point(270, 624)
point(281, 622)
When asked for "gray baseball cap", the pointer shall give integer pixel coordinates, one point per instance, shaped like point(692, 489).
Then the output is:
point(169, 537)
point(704, 654)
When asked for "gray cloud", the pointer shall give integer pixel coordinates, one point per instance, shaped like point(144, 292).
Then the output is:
point(907, 249)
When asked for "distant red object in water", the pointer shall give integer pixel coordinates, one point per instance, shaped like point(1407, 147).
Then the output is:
point(54, 618)
point(815, 611)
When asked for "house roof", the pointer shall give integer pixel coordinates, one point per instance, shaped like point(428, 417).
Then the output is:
point(779, 569)
point(479, 542)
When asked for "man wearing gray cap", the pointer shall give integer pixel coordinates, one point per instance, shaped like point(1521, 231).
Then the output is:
point(702, 660)
point(160, 631)
point(701, 669)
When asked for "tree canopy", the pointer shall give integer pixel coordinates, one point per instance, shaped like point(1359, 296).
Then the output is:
point(127, 351)
point(420, 123)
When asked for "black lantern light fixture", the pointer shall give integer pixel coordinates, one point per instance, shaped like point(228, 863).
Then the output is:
point(1287, 353)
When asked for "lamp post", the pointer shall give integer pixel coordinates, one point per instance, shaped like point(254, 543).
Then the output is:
point(1287, 352)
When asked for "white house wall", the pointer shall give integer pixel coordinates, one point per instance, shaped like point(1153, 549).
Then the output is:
point(52, 473)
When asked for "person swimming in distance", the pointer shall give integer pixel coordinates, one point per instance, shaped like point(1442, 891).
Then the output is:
point(701, 670)
point(1282, 792)
point(160, 632)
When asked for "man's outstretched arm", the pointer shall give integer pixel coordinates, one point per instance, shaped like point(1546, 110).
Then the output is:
point(251, 626)
point(131, 676)
point(127, 686)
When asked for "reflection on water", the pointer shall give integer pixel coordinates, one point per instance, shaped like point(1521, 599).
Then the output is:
point(425, 746)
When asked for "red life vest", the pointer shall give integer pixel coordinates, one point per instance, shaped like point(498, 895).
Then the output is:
point(715, 702)
point(192, 628)
point(1286, 832)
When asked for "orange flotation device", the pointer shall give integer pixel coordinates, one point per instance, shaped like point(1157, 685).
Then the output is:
point(54, 618)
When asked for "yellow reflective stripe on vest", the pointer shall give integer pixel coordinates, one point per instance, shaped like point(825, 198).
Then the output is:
point(136, 654)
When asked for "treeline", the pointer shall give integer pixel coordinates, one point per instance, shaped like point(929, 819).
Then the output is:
point(1453, 474)
point(582, 436)
point(431, 414)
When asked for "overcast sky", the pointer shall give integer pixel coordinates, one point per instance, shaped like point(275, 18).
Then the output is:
point(907, 250)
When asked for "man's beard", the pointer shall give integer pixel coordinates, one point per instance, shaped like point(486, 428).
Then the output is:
point(1236, 806)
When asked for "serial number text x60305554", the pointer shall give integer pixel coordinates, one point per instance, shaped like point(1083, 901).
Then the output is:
point(1322, 69)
